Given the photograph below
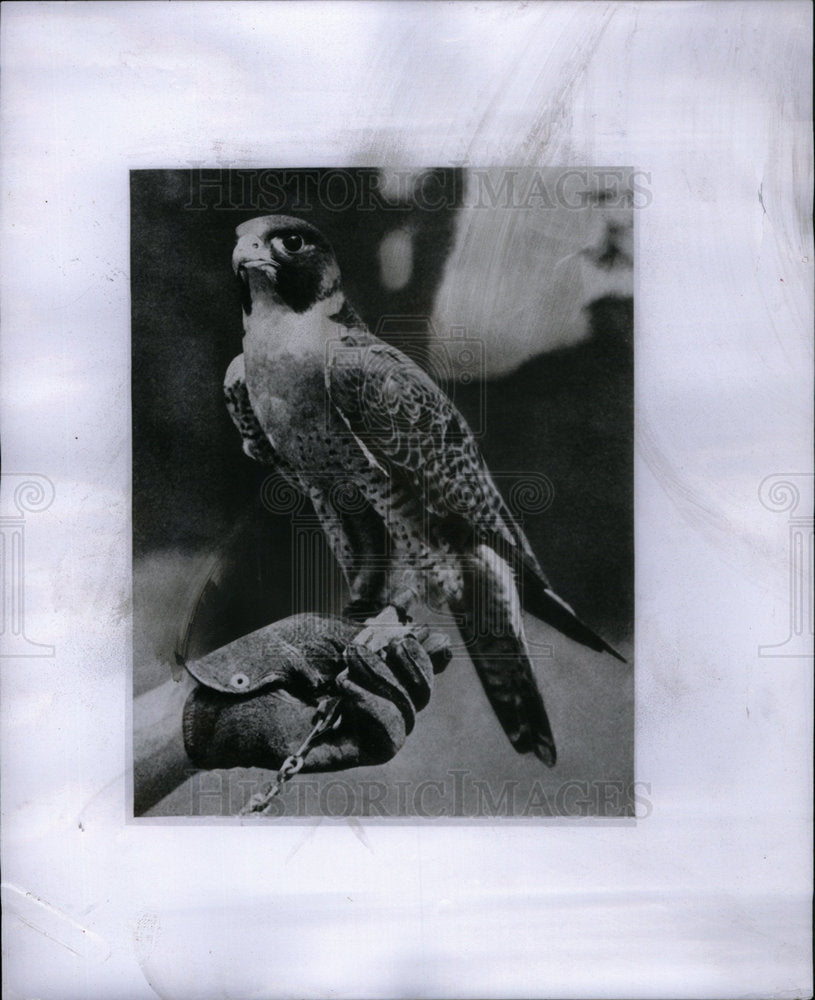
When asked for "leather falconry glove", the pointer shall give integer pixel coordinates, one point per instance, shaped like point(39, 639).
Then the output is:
point(259, 697)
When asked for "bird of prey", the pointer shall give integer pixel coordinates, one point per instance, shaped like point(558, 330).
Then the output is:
point(391, 467)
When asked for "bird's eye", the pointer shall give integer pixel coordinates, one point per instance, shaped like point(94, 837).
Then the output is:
point(293, 242)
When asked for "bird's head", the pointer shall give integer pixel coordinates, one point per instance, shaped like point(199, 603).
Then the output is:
point(285, 260)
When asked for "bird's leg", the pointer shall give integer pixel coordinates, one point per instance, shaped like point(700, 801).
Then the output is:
point(396, 661)
point(391, 621)
point(381, 629)
point(362, 550)
point(374, 590)
point(394, 638)
point(368, 595)
point(403, 600)
point(368, 585)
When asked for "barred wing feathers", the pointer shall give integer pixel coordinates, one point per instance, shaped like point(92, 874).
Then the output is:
point(411, 428)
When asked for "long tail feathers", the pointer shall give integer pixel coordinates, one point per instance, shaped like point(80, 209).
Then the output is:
point(542, 602)
point(489, 621)
point(503, 667)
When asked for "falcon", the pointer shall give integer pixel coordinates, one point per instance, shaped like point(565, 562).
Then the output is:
point(397, 482)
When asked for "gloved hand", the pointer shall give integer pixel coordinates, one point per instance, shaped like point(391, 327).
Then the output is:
point(259, 697)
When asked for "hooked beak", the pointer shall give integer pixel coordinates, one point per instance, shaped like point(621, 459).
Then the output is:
point(249, 253)
point(254, 268)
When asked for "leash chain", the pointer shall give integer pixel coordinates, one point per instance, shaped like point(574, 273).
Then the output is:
point(327, 717)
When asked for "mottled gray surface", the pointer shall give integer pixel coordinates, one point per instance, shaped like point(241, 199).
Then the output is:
point(709, 894)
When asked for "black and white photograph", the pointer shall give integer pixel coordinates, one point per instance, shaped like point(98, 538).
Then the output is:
point(347, 523)
point(406, 499)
